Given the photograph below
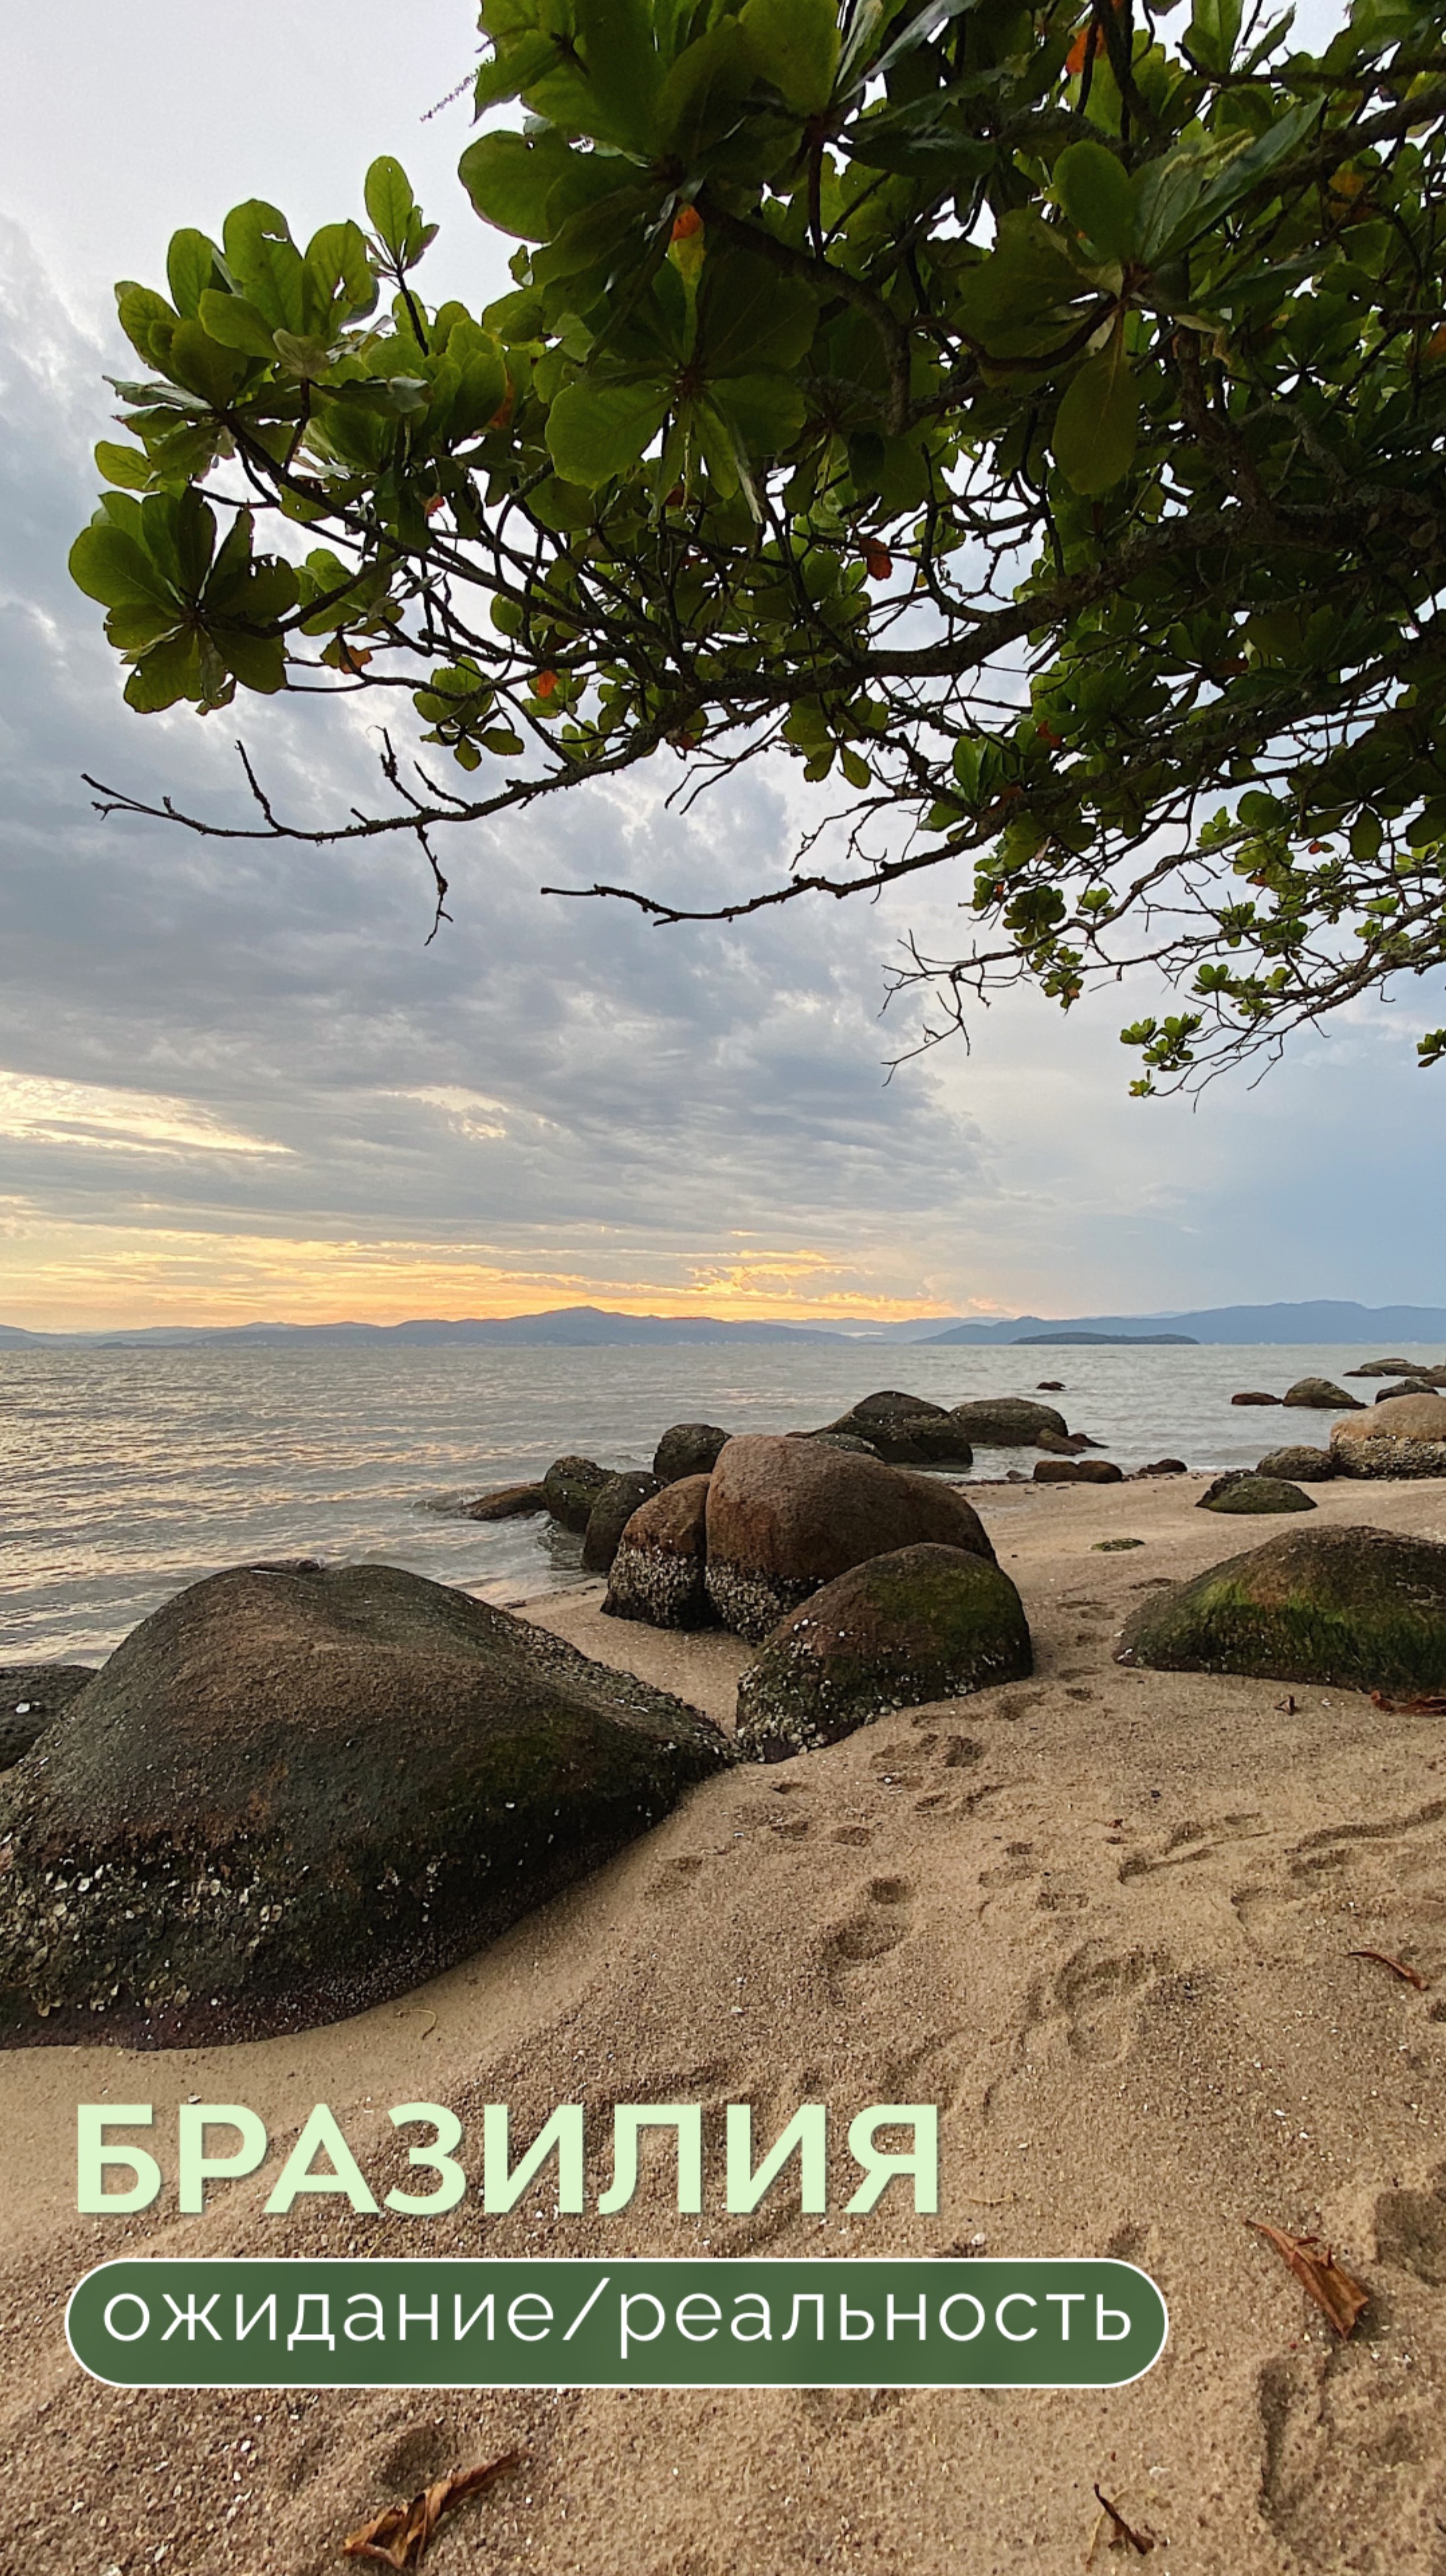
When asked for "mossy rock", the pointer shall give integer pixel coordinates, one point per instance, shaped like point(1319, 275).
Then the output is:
point(904, 1430)
point(570, 1488)
point(920, 1623)
point(1259, 1494)
point(1300, 1466)
point(1007, 1421)
point(1357, 1608)
point(295, 1793)
point(688, 1449)
point(1321, 1395)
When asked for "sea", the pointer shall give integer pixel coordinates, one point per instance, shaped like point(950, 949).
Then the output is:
point(127, 1474)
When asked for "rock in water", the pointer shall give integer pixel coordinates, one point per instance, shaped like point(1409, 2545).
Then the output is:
point(610, 1516)
point(1007, 1421)
point(31, 1698)
point(658, 1571)
point(919, 1623)
point(688, 1449)
point(1164, 1467)
point(1362, 1609)
point(1405, 1386)
point(1259, 1494)
point(1320, 1395)
point(906, 1430)
point(1405, 1436)
point(290, 1795)
point(1255, 1398)
point(1302, 1466)
point(505, 1503)
point(570, 1488)
point(786, 1516)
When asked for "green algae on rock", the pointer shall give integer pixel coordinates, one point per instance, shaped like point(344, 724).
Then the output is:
point(1258, 1494)
point(920, 1623)
point(294, 1792)
point(1356, 1608)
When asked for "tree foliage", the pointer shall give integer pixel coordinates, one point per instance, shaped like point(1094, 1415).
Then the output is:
point(1030, 421)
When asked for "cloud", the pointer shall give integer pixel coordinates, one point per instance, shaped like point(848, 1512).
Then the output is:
point(87, 1115)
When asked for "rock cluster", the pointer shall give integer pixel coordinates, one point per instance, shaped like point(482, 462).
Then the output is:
point(1405, 1436)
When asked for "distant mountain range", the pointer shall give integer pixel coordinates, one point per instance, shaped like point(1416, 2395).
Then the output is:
point(584, 1327)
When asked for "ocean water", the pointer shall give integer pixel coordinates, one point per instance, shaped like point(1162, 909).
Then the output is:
point(126, 1474)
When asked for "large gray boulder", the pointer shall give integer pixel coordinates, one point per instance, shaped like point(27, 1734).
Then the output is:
point(687, 1449)
point(1405, 1436)
point(293, 1793)
point(32, 1697)
point(610, 1515)
point(787, 1516)
point(1359, 1608)
point(1320, 1395)
point(1007, 1421)
point(920, 1623)
point(905, 1430)
point(659, 1569)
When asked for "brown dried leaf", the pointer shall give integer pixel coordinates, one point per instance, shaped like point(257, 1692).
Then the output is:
point(1430, 1704)
point(398, 2537)
point(1398, 1967)
point(1336, 2294)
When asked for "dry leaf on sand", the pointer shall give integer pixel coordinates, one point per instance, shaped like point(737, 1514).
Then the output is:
point(1429, 1704)
point(1315, 2267)
point(1123, 2535)
point(398, 2537)
point(1398, 1967)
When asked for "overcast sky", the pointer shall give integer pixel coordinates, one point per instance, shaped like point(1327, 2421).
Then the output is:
point(238, 1083)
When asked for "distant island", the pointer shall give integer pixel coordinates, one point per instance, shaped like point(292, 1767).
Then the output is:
point(587, 1327)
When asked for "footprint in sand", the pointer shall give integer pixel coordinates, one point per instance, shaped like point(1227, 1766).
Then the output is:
point(876, 1926)
point(1098, 1992)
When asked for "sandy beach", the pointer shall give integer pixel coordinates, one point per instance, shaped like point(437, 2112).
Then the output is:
point(1105, 1918)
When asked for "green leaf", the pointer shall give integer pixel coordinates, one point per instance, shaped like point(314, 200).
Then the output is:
point(235, 322)
point(204, 365)
point(1017, 300)
point(1213, 33)
point(123, 465)
point(144, 315)
point(192, 264)
point(170, 671)
point(1096, 427)
point(623, 71)
point(336, 260)
point(267, 266)
point(751, 317)
point(257, 661)
point(597, 431)
point(512, 70)
point(1097, 195)
point(113, 567)
point(766, 411)
point(390, 202)
point(510, 178)
point(797, 45)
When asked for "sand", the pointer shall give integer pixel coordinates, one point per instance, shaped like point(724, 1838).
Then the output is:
point(1104, 1918)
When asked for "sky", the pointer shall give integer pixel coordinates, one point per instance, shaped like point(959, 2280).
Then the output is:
point(238, 1083)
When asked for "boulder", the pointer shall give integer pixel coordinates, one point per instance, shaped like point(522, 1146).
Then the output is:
point(570, 1488)
point(1051, 1386)
point(1387, 1368)
point(1405, 1386)
point(1259, 1494)
point(786, 1516)
point(1406, 1436)
point(1301, 1466)
point(1358, 1608)
point(1164, 1467)
point(1319, 1395)
point(657, 1573)
point(1256, 1398)
point(845, 1440)
point(292, 1794)
point(31, 1698)
point(610, 1516)
point(1222, 1484)
point(918, 1623)
point(505, 1503)
point(1064, 1444)
point(906, 1430)
point(688, 1449)
point(1007, 1421)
